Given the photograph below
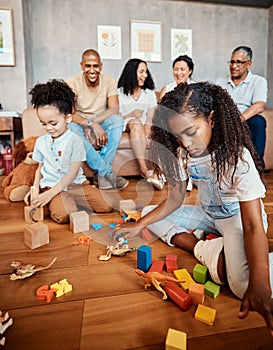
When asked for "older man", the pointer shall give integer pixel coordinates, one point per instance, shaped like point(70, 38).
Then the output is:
point(249, 92)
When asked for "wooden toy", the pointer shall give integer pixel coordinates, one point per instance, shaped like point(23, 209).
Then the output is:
point(144, 257)
point(155, 278)
point(176, 340)
point(79, 221)
point(96, 226)
point(205, 314)
point(36, 235)
point(126, 205)
point(183, 274)
point(44, 293)
point(84, 240)
point(197, 293)
point(171, 262)
point(178, 295)
point(157, 266)
point(200, 273)
point(5, 323)
point(22, 270)
point(212, 289)
point(62, 287)
point(33, 214)
point(146, 235)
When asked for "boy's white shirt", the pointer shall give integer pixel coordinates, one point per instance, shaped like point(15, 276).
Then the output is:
point(57, 155)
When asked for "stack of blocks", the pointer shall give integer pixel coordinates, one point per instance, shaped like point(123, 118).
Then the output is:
point(36, 233)
point(79, 221)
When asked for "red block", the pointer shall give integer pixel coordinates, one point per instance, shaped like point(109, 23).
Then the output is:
point(157, 266)
point(146, 235)
point(171, 257)
point(178, 295)
point(171, 265)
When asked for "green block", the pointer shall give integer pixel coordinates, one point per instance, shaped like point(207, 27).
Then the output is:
point(200, 273)
point(212, 289)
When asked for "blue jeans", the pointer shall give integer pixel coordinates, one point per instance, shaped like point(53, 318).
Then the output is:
point(101, 162)
point(257, 126)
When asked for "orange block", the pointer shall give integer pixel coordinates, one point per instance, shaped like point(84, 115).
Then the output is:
point(197, 293)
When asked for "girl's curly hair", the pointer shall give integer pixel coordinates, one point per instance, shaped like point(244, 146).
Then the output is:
point(55, 93)
point(229, 134)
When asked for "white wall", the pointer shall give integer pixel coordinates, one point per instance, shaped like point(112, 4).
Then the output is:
point(56, 33)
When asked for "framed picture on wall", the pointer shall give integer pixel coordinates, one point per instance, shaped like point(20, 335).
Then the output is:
point(6, 37)
point(146, 40)
point(181, 42)
point(109, 42)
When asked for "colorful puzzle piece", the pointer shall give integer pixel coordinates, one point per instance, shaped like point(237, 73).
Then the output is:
point(96, 226)
point(61, 287)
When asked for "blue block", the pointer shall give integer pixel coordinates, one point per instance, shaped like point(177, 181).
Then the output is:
point(144, 258)
point(96, 226)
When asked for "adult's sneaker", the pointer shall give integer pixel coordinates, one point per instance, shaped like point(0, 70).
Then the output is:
point(112, 181)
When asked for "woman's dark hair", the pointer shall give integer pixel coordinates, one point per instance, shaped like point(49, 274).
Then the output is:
point(128, 79)
point(229, 133)
point(53, 93)
point(186, 59)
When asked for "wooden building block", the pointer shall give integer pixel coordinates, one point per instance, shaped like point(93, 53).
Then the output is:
point(176, 340)
point(178, 295)
point(200, 273)
point(126, 205)
point(144, 258)
point(36, 235)
point(183, 274)
point(33, 214)
point(205, 314)
point(79, 221)
point(146, 235)
point(197, 293)
point(212, 289)
point(157, 266)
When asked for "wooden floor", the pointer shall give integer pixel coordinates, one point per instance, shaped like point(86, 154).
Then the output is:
point(108, 307)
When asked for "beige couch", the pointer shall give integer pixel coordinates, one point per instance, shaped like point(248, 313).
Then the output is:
point(124, 162)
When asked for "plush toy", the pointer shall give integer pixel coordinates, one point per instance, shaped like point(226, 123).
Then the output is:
point(17, 183)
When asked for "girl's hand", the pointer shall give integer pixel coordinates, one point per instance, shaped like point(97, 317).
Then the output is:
point(128, 229)
point(257, 298)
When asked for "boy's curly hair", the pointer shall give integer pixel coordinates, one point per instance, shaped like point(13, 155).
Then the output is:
point(55, 93)
point(229, 134)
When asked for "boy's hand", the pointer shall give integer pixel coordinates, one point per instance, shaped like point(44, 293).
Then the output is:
point(128, 229)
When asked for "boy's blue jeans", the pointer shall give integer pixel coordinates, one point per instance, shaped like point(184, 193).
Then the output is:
point(257, 126)
point(101, 162)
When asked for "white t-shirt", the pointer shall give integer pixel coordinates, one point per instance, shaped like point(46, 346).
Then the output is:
point(127, 104)
point(247, 184)
point(57, 155)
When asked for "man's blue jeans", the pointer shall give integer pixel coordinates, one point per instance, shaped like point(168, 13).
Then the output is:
point(101, 162)
point(257, 126)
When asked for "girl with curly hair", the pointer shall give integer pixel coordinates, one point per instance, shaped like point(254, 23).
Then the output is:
point(60, 153)
point(198, 132)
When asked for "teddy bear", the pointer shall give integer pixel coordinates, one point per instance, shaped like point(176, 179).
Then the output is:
point(17, 183)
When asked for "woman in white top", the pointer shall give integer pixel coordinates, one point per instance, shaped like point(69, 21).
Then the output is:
point(182, 71)
point(138, 102)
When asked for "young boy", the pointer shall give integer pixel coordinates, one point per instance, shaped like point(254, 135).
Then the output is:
point(60, 154)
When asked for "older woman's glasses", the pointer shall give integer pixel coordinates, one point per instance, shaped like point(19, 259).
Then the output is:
point(237, 62)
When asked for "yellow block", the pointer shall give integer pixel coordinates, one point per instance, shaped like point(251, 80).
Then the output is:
point(183, 274)
point(176, 340)
point(205, 314)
